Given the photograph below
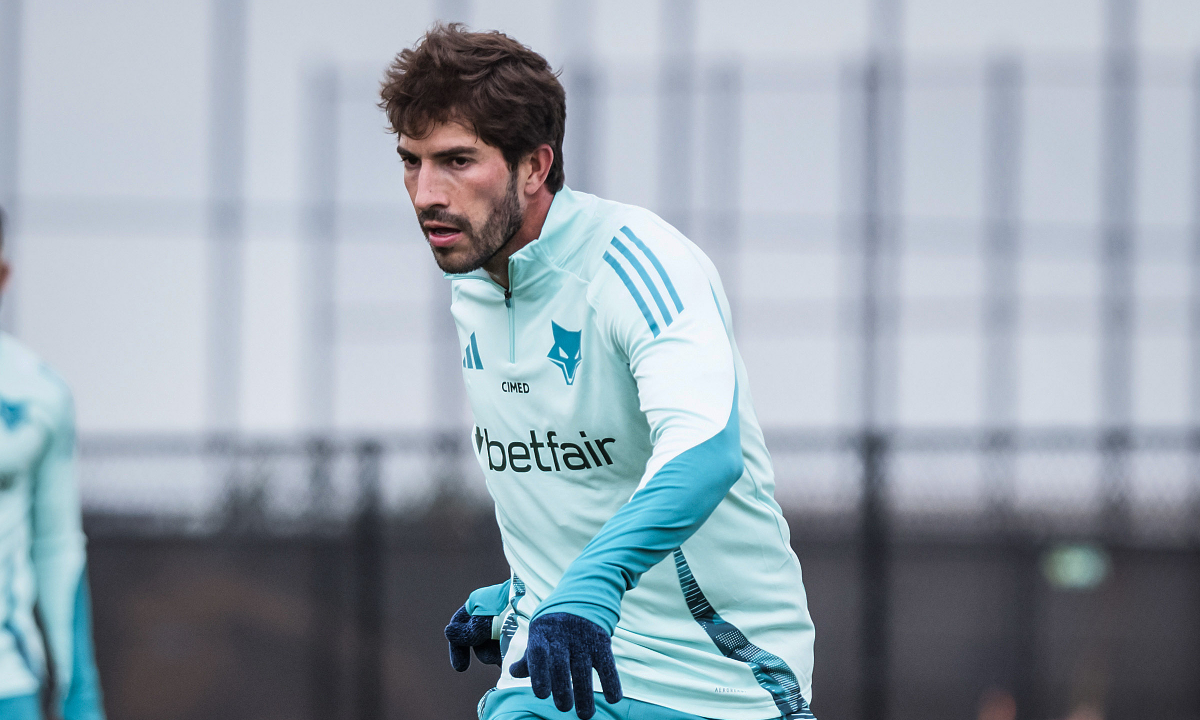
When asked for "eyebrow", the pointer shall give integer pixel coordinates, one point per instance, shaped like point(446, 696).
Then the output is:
point(442, 154)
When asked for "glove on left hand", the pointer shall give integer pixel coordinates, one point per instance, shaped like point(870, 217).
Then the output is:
point(563, 649)
point(467, 631)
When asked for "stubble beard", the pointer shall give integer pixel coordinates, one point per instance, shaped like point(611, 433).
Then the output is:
point(501, 226)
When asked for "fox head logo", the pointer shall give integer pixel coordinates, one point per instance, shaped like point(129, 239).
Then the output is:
point(566, 353)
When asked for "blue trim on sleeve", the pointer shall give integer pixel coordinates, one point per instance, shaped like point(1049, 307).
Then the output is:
point(656, 521)
point(657, 266)
point(641, 271)
point(83, 699)
point(637, 296)
point(23, 707)
point(490, 600)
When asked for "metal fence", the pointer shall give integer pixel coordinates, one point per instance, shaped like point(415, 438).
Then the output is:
point(312, 562)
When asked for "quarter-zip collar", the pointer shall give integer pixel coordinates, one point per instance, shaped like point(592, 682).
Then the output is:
point(532, 269)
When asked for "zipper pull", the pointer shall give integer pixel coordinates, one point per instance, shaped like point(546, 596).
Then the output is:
point(508, 298)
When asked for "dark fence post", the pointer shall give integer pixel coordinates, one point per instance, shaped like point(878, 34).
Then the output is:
point(1194, 310)
point(1017, 668)
point(368, 584)
point(1117, 248)
point(581, 77)
point(226, 213)
point(875, 581)
point(721, 217)
point(325, 586)
point(320, 231)
point(676, 116)
point(1001, 253)
point(877, 226)
point(1194, 344)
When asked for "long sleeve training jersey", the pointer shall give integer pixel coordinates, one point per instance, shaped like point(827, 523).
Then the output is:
point(614, 426)
point(42, 558)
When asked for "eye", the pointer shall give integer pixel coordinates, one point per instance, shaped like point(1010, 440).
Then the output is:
point(409, 161)
point(460, 161)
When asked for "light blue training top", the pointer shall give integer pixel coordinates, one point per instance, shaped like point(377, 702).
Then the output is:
point(615, 428)
point(42, 558)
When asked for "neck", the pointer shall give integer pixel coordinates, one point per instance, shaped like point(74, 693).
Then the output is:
point(531, 229)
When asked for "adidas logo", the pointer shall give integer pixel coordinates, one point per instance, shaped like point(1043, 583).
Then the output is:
point(471, 359)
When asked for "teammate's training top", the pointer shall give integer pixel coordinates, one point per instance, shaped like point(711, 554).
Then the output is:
point(632, 486)
point(41, 542)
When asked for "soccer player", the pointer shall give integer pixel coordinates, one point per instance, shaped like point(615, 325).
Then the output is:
point(42, 560)
point(613, 419)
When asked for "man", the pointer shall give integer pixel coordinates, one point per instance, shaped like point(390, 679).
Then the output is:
point(613, 419)
point(42, 556)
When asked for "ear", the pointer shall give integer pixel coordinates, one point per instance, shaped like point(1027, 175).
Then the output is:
point(4, 269)
point(539, 167)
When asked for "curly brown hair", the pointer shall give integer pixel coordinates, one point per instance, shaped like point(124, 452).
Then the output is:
point(505, 92)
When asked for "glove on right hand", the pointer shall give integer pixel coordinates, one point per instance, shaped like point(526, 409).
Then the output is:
point(562, 651)
point(467, 631)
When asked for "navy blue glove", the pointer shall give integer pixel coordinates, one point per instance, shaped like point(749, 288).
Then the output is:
point(467, 631)
point(563, 649)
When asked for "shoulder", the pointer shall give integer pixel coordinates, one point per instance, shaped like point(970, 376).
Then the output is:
point(650, 278)
point(26, 378)
point(644, 255)
point(614, 226)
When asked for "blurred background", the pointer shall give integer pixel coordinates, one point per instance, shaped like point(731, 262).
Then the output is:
point(962, 245)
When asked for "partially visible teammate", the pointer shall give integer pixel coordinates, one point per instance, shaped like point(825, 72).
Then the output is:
point(613, 419)
point(42, 558)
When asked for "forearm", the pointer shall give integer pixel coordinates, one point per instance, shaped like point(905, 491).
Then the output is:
point(664, 513)
point(60, 566)
point(65, 607)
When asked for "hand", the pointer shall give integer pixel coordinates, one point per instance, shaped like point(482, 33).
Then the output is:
point(467, 631)
point(563, 648)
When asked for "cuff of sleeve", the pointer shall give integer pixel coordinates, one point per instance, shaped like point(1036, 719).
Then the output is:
point(603, 616)
point(498, 626)
point(490, 600)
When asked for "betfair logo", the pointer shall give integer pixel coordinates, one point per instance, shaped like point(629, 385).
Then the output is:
point(516, 456)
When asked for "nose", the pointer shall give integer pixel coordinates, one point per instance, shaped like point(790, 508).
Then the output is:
point(430, 190)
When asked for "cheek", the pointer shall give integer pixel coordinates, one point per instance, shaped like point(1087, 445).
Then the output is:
point(476, 196)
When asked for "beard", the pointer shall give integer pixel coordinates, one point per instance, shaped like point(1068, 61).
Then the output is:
point(481, 245)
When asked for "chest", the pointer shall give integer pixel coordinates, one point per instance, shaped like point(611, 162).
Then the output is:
point(539, 359)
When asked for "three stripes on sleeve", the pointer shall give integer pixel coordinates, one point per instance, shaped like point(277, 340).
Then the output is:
point(647, 281)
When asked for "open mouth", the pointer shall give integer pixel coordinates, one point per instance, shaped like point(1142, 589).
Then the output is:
point(441, 234)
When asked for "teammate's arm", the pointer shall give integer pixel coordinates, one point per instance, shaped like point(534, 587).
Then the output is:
point(59, 559)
